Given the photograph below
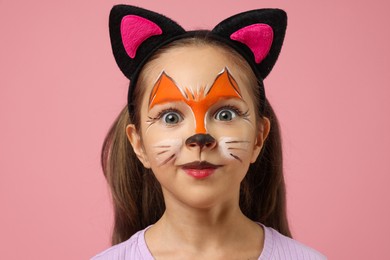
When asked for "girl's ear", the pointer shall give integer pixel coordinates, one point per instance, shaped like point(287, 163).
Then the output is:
point(135, 33)
point(135, 141)
point(257, 34)
point(262, 134)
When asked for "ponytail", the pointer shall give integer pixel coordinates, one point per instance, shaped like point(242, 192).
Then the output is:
point(263, 193)
point(136, 194)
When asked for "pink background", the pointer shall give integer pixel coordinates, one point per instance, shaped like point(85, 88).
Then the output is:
point(60, 89)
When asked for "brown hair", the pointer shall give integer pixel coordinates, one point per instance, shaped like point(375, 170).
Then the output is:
point(137, 196)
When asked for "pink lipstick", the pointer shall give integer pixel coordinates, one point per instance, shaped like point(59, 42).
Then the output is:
point(199, 170)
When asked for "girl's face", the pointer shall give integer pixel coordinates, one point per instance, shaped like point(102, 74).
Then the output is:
point(198, 131)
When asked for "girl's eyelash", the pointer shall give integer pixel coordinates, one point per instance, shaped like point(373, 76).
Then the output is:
point(163, 112)
point(238, 111)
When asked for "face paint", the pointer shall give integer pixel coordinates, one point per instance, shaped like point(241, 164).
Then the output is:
point(166, 151)
point(232, 147)
point(165, 90)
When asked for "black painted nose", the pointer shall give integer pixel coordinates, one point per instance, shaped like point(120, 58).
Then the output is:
point(201, 140)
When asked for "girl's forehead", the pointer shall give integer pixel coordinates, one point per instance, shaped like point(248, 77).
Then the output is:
point(194, 66)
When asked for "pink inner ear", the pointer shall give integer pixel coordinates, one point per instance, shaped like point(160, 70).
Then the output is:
point(258, 37)
point(135, 30)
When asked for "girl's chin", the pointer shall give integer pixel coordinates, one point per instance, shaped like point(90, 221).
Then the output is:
point(202, 197)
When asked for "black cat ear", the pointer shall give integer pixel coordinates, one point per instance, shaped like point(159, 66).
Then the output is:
point(256, 34)
point(135, 33)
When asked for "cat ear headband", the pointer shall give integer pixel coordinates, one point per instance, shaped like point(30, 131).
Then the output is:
point(137, 33)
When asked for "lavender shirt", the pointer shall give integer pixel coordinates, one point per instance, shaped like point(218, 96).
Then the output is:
point(276, 246)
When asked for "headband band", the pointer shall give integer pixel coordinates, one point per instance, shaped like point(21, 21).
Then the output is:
point(136, 34)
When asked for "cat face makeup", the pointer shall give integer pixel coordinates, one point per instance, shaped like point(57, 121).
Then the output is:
point(198, 123)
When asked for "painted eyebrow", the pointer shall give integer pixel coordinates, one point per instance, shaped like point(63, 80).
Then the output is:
point(166, 90)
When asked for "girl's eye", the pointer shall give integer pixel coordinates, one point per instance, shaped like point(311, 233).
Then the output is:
point(225, 115)
point(172, 118)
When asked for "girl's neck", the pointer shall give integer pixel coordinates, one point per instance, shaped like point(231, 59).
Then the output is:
point(191, 223)
point(192, 229)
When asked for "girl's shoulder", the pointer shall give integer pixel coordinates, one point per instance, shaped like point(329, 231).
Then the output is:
point(133, 248)
point(278, 246)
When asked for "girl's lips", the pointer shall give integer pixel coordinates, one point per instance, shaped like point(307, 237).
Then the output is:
point(199, 170)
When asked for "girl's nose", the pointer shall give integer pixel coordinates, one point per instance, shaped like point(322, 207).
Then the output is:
point(202, 141)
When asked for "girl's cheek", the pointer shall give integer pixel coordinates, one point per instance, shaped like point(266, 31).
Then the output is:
point(235, 140)
point(163, 144)
point(160, 145)
point(164, 151)
point(237, 128)
point(155, 137)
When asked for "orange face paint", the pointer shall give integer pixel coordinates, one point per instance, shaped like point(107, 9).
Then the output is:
point(165, 90)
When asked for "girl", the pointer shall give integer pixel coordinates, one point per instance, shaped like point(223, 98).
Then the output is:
point(194, 161)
